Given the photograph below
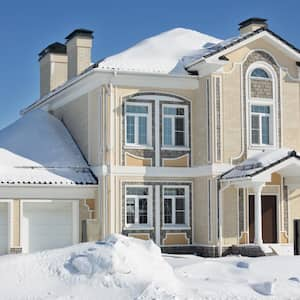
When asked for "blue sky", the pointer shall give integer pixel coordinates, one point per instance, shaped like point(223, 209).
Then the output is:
point(28, 26)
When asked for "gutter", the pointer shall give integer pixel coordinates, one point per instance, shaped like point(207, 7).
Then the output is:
point(90, 71)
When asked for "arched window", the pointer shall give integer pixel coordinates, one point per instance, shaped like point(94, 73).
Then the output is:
point(261, 105)
point(260, 73)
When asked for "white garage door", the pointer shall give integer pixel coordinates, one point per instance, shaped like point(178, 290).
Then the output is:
point(46, 225)
point(3, 228)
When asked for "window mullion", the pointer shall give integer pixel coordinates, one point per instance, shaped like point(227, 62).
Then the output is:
point(173, 210)
point(260, 129)
point(136, 129)
point(136, 211)
point(173, 131)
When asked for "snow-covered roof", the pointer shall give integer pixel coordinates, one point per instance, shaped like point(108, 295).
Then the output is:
point(258, 163)
point(38, 149)
point(162, 53)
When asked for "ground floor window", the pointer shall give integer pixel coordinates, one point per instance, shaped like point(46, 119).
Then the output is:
point(138, 205)
point(175, 205)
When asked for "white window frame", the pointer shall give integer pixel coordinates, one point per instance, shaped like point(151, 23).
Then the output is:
point(186, 127)
point(260, 115)
point(136, 125)
point(271, 102)
point(186, 224)
point(149, 197)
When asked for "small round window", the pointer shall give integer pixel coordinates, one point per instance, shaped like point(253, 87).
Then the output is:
point(260, 73)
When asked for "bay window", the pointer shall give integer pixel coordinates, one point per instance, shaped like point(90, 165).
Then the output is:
point(175, 126)
point(138, 206)
point(138, 124)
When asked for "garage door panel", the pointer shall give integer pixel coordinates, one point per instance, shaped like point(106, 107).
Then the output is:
point(48, 225)
point(3, 228)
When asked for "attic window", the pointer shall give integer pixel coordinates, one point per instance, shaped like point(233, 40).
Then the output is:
point(260, 73)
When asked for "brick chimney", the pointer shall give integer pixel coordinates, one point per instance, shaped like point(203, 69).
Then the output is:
point(79, 46)
point(252, 24)
point(53, 67)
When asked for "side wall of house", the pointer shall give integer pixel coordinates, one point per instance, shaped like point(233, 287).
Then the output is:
point(82, 118)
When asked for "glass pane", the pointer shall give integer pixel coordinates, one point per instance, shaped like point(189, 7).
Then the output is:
point(142, 130)
point(130, 130)
point(174, 191)
point(180, 204)
point(143, 218)
point(179, 138)
point(179, 132)
point(136, 109)
point(255, 129)
point(260, 73)
point(260, 109)
point(174, 111)
point(180, 111)
point(130, 210)
point(137, 191)
point(167, 131)
point(170, 111)
point(179, 217)
point(179, 124)
point(265, 134)
point(167, 211)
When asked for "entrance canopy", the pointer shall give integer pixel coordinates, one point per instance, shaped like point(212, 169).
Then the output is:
point(260, 167)
point(254, 173)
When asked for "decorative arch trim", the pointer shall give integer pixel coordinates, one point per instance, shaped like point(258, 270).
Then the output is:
point(262, 59)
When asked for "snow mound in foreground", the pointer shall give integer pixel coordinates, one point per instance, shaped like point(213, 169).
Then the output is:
point(118, 262)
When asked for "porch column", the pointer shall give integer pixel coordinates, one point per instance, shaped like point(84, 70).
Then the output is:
point(257, 214)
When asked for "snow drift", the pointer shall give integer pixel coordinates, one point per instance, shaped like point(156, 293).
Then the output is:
point(127, 268)
point(117, 268)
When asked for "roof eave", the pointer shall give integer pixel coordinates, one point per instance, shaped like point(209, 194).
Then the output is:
point(293, 51)
point(47, 98)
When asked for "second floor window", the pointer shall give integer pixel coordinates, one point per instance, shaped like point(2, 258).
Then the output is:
point(138, 124)
point(261, 108)
point(260, 124)
point(174, 126)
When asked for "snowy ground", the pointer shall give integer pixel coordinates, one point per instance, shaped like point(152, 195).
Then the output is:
point(126, 268)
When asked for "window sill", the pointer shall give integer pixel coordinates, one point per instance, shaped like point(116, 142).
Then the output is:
point(138, 227)
point(176, 148)
point(261, 147)
point(176, 227)
point(137, 147)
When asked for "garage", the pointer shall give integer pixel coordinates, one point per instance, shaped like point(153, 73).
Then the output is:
point(48, 224)
point(3, 228)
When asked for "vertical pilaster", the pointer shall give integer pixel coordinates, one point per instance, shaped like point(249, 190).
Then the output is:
point(157, 214)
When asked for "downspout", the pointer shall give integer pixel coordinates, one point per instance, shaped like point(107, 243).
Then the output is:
point(104, 172)
point(220, 215)
point(232, 159)
point(107, 88)
point(111, 152)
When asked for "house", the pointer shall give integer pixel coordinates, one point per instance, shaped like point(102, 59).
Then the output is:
point(183, 138)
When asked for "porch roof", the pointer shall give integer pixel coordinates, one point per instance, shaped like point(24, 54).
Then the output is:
point(259, 163)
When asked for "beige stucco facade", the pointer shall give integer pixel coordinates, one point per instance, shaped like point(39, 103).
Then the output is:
point(217, 113)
